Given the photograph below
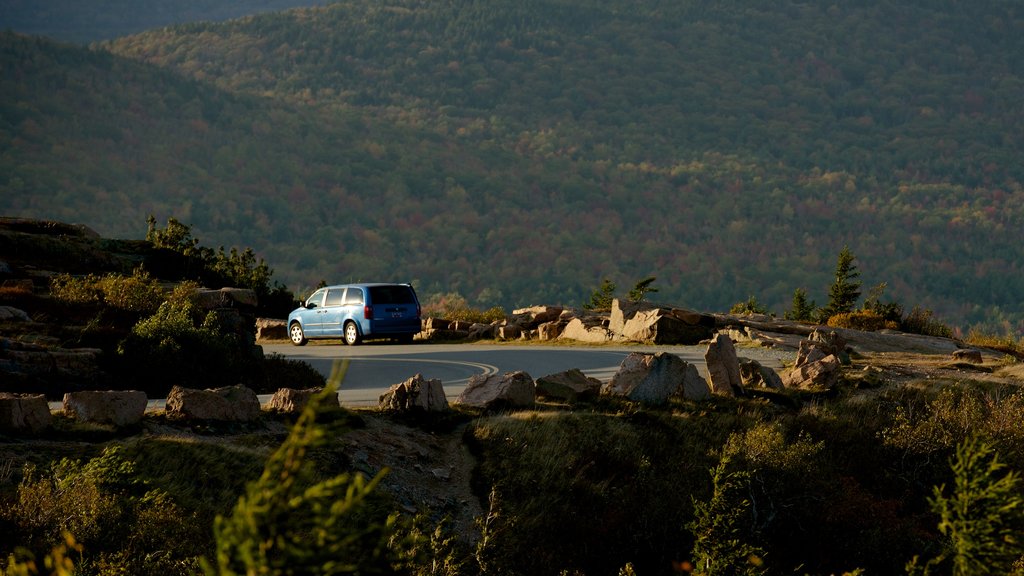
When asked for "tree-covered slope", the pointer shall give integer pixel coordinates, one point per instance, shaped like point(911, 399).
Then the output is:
point(521, 151)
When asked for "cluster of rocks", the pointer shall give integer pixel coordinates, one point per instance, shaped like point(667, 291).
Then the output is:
point(649, 378)
point(818, 361)
point(121, 408)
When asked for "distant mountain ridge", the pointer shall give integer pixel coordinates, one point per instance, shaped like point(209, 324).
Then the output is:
point(84, 22)
point(519, 152)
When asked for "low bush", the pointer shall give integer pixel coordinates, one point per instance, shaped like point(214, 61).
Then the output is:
point(138, 293)
point(920, 321)
point(865, 320)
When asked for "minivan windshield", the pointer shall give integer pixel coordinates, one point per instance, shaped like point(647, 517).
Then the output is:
point(392, 295)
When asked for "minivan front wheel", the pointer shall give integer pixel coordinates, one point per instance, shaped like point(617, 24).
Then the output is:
point(295, 333)
point(351, 334)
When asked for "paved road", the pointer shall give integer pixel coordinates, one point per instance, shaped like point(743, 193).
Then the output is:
point(374, 367)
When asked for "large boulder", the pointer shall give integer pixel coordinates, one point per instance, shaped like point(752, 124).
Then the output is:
point(230, 403)
point(117, 407)
point(571, 385)
point(12, 314)
point(654, 378)
point(415, 395)
point(509, 390)
point(820, 373)
point(271, 329)
point(645, 322)
point(551, 330)
point(24, 412)
point(723, 366)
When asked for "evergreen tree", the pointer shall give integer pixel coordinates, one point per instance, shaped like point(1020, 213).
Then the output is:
point(601, 299)
point(640, 290)
point(801, 310)
point(845, 290)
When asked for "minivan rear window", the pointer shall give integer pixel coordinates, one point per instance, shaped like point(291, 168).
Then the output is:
point(391, 295)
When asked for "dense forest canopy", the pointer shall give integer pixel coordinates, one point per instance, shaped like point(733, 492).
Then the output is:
point(519, 152)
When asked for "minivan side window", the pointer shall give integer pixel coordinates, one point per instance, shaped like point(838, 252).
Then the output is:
point(391, 295)
point(317, 299)
point(354, 296)
point(334, 296)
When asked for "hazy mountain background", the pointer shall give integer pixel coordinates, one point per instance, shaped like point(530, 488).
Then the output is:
point(519, 152)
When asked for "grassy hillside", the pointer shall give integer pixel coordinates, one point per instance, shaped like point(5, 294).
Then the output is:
point(520, 152)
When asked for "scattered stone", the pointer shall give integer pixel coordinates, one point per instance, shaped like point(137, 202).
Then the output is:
point(968, 355)
point(117, 407)
point(723, 366)
point(24, 412)
point(654, 378)
point(509, 390)
point(571, 385)
point(231, 403)
point(415, 394)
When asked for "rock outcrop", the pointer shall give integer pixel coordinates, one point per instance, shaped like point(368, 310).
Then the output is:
point(645, 322)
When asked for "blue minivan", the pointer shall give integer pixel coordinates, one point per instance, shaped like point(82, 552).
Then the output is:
point(356, 312)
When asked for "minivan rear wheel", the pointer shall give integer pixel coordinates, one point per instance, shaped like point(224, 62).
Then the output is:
point(351, 334)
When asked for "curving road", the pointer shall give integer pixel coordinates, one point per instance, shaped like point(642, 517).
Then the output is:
point(375, 367)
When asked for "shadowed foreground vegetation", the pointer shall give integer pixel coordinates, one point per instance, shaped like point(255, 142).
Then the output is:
point(905, 480)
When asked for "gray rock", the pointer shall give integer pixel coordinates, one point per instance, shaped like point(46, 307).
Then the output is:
point(723, 366)
point(971, 356)
point(230, 403)
point(292, 401)
point(117, 407)
point(587, 329)
point(511, 390)
point(654, 378)
point(571, 385)
point(24, 412)
point(415, 394)
point(755, 375)
point(645, 322)
point(271, 329)
point(823, 373)
point(12, 314)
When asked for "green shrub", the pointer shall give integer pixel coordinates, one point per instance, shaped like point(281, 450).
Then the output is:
point(138, 293)
point(865, 320)
point(920, 321)
point(751, 306)
point(601, 298)
point(289, 521)
point(981, 515)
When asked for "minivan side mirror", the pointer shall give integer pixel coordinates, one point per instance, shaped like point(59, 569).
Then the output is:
point(309, 305)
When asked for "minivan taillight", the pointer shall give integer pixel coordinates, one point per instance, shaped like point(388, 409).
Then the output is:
point(368, 312)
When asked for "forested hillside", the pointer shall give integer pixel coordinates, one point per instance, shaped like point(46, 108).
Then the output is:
point(519, 152)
